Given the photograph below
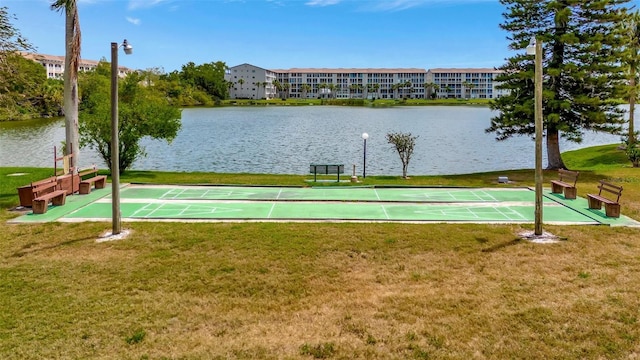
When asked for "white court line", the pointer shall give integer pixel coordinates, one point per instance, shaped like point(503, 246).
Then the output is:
point(279, 192)
point(173, 194)
point(144, 208)
point(385, 212)
point(271, 210)
point(488, 195)
point(167, 193)
point(376, 192)
point(507, 215)
point(472, 213)
point(154, 210)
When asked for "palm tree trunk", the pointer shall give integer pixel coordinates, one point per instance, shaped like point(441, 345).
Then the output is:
point(72, 58)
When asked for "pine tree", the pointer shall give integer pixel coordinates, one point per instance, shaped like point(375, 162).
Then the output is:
point(582, 48)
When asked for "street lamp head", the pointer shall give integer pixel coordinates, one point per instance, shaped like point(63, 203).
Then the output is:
point(365, 136)
point(531, 48)
point(128, 49)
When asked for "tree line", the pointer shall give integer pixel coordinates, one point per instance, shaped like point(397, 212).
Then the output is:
point(26, 92)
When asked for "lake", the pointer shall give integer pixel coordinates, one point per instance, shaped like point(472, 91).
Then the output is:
point(286, 139)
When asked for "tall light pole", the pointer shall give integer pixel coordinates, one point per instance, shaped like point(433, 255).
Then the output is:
point(115, 141)
point(535, 48)
point(365, 136)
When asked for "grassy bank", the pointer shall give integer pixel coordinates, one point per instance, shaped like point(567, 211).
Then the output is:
point(295, 290)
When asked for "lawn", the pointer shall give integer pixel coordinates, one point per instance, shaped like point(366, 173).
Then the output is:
point(330, 290)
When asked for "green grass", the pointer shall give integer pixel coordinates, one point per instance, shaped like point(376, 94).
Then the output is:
point(606, 157)
point(322, 290)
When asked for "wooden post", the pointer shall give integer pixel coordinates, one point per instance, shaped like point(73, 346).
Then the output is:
point(538, 125)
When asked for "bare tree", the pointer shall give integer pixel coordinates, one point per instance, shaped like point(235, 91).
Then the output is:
point(404, 144)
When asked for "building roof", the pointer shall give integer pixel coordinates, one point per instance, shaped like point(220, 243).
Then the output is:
point(60, 60)
point(465, 70)
point(351, 70)
point(54, 59)
point(257, 67)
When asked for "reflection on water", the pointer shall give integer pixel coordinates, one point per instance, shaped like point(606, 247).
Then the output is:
point(285, 140)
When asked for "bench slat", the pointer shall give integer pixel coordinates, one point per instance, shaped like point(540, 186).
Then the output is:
point(612, 207)
point(566, 183)
point(41, 202)
point(99, 181)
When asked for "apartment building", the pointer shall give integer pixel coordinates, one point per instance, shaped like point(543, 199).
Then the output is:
point(392, 83)
point(247, 81)
point(54, 65)
point(353, 82)
point(470, 83)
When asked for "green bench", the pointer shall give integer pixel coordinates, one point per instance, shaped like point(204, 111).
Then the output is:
point(326, 169)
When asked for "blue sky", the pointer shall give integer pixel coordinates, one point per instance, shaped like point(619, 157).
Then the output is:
point(278, 34)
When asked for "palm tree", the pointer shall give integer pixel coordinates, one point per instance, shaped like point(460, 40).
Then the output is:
point(356, 88)
point(632, 28)
point(407, 84)
point(230, 86)
point(395, 88)
point(72, 39)
point(322, 87)
point(447, 90)
point(285, 88)
point(278, 85)
point(429, 88)
point(264, 86)
point(467, 88)
point(333, 88)
point(305, 89)
point(376, 89)
point(241, 81)
point(369, 89)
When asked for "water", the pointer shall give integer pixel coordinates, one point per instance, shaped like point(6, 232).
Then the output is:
point(285, 140)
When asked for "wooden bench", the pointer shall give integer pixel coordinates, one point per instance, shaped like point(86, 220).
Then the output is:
point(45, 191)
point(93, 179)
point(612, 207)
point(566, 183)
point(326, 169)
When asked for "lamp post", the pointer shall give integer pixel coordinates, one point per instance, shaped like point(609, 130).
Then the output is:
point(365, 136)
point(115, 142)
point(535, 48)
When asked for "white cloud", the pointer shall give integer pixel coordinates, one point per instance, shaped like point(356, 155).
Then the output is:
point(322, 2)
point(141, 4)
point(399, 5)
point(134, 21)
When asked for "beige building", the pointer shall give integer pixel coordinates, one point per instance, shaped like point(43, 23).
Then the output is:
point(54, 65)
point(353, 82)
point(358, 83)
point(247, 81)
point(470, 83)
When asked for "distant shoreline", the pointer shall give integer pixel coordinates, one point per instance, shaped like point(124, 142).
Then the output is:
point(353, 102)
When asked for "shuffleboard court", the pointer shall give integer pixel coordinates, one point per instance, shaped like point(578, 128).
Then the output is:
point(365, 204)
point(329, 194)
